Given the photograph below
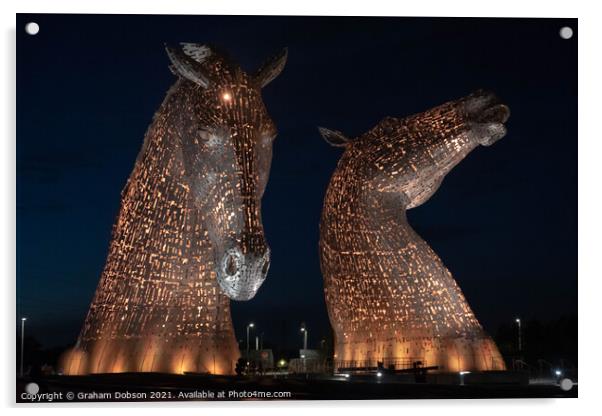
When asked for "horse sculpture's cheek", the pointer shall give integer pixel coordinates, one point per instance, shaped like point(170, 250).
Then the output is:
point(203, 186)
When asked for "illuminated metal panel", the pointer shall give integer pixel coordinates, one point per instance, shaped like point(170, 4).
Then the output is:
point(189, 234)
point(390, 298)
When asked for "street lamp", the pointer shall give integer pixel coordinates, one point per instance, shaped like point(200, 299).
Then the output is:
point(249, 326)
point(462, 374)
point(23, 319)
point(520, 343)
point(305, 331)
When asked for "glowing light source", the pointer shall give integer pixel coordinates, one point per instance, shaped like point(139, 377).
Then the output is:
point(389, 296)
point(227, 96)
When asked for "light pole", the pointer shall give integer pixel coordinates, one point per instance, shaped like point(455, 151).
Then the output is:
point(305, 331)
point(22, 343)
point(520, 343)
point(249, 326)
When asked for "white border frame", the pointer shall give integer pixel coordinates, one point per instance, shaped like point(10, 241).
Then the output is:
point(590, 70)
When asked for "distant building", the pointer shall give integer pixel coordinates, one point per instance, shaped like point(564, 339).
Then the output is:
point(264, 359)
point(309, 361)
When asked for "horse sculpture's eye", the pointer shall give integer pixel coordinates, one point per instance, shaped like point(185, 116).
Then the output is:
point(212, 137)
point(204, 135)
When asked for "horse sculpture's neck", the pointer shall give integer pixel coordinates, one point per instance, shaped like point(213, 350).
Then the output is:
point(390, 298)
point(158, 299)
point(399, 282)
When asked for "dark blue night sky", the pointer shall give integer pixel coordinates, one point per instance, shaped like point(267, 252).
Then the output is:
point(504, 221)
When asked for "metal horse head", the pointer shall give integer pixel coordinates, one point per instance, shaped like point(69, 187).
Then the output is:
point(410, 157)
point(227, 152)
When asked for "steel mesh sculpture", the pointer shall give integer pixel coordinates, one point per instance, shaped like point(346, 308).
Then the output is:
point(189, 234)
point(390, 298)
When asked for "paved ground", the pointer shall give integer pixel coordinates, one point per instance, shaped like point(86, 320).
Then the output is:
point(165, 387)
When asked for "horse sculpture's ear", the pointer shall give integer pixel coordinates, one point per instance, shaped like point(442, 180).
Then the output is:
point(185, 62)
point(333, 137)
point(271, 68)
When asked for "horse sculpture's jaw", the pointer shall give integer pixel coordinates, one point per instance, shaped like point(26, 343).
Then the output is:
point(390, 298)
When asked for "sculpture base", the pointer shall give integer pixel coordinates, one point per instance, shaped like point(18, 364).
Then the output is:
point(160, 355)
point(448, 354)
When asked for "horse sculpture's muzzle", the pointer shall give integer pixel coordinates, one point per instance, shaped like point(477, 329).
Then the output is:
point(240, 275)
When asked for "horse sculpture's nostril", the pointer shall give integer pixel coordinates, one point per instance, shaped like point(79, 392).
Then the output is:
point(230, 265)
point(266, 267)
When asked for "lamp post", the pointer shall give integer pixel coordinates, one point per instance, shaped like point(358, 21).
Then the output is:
point(520, 343)
point(305, 331)
point(22, 343)
point(249, 326)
